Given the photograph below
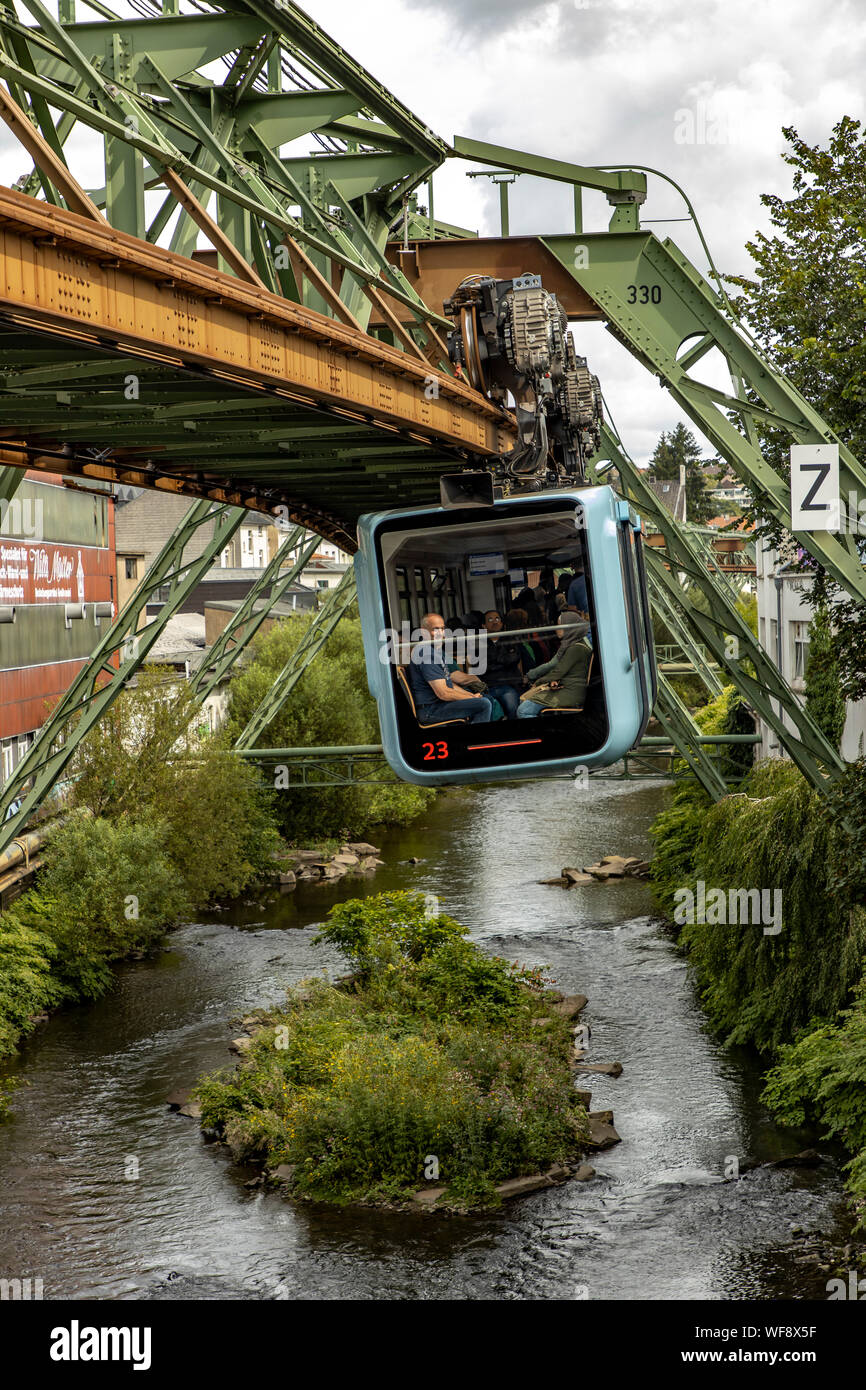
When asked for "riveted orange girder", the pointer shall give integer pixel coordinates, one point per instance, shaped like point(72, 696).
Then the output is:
point(67, 276)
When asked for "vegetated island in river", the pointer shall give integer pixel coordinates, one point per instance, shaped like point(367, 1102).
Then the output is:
point(434, 1076)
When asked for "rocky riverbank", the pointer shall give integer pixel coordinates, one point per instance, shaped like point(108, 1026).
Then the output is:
point(611, 866)
point(316, 865)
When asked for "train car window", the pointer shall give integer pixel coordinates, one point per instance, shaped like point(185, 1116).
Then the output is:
point(522, 657)
point(646, 613)
point(627, 575)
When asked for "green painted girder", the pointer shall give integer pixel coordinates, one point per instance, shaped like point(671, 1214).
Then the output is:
point(280, 117)
point(745, 663)
point(337, 604)
point(100, 681)
point(10, 481)
point(180, 44)
point(267, 591)
point(679, 630)
point(609, 267)
point(681, 728)
point(225, 138)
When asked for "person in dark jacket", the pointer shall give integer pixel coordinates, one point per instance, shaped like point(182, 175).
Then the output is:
point(564, 679)
point(504, 675)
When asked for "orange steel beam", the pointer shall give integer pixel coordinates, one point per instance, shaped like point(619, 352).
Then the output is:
point(435, 268)
point(47, 160)
point(62, 274)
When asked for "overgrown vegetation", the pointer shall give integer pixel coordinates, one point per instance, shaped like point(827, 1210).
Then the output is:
point(431, 1056)
point(164, 819)
point(798, 996)
point(329, 706)
point(824, 699)
point(820, 1080)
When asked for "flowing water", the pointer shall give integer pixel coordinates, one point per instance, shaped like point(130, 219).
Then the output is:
point(659, 1221)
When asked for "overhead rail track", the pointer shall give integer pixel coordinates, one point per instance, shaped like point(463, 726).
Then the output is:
point(297, 367)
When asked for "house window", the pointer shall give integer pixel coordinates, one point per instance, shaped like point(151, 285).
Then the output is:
point(131, 569)
point(800, 636)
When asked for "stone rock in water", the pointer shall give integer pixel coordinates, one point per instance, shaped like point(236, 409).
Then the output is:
point(571, 1005)
point(362, 848)
point(602, 1134)
point(601, 1068)
point(519, 1187)
point(573, 876)
point(428, 1195)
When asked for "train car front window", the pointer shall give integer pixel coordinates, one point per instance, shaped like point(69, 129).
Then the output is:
point(510, 673)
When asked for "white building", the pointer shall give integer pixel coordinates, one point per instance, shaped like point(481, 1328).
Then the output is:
point(784, 616)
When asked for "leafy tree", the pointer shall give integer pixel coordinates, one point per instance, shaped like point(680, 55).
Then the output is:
point(328, 707)
point(824, 700)
point(806, 305)
point(677, 448)
point(154, 758)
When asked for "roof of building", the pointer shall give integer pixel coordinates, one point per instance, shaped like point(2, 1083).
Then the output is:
point(143, 526)
point(671, 494)
point(717, 522)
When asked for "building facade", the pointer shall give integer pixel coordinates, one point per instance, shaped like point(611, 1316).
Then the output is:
point(784, 616)
point(57, 595)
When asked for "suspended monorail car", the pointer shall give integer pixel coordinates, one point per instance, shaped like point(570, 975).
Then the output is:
point(430, 581)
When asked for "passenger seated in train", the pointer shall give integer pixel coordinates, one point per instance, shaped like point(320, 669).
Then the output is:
point(560, 683)
point(503, 674)
point(440, 695)
point(576, 594)
point(543, 644)
point(516, 620)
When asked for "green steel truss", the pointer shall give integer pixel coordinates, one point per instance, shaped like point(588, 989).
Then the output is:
point(121, 652)
point(267, 591)
point(724, 632)
point(186, 154)
point(336, 606)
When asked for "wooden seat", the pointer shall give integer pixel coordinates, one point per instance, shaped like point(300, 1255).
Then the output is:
point(569, 709)
point(403, 680)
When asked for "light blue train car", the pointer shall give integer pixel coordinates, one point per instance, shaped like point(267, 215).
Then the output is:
point(471, 570)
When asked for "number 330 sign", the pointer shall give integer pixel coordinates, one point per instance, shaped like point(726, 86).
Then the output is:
point(815, 501)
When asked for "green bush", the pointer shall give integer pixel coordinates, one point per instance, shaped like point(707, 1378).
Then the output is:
point(822, 1079)
point(773, 834)
point(433, 1054)
point(153, 758)
point(330, 706)
point(26, 983)
point(108, 888)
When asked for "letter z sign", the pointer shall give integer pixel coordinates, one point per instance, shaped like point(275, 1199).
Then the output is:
point(815, 502)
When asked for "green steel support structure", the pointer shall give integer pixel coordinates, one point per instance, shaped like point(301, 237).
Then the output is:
point(99, 683)
point(743, 659)
point(337, 604)
point(267, 591)
point(315, 229)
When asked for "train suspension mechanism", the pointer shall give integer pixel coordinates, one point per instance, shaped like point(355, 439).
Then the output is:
point(510, 337)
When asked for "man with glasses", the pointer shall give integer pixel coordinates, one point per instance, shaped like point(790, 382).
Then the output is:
point(438, 692)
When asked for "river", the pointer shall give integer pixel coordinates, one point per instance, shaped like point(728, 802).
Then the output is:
point(105, 1193)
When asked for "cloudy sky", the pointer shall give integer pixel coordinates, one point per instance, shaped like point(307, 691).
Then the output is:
point(650, 82)
point(700, 90)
